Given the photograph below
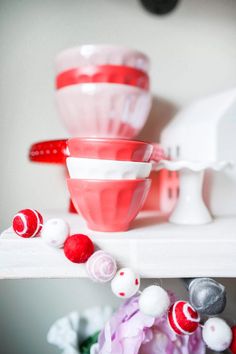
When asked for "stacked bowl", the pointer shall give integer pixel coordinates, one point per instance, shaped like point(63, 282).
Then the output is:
point(103, 91)
point(108, 180)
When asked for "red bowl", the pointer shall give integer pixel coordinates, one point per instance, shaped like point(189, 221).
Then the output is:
point(108, 205)
point(103, 73)
point(110, 149)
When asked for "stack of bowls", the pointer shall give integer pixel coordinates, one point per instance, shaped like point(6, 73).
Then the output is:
point(103, 91)
point(108, 180)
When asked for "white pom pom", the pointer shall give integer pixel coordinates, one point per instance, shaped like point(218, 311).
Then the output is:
point(217, 334)
point(154, 301)
point(125, 283)
point(55, 232)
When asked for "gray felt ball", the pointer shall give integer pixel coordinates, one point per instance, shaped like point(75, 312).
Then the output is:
point(207, 296)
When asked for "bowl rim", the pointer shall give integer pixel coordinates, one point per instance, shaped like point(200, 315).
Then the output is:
point(100, 47)
point(110, 181)
point(109, 140)
point(96, 86)
point(108, 162)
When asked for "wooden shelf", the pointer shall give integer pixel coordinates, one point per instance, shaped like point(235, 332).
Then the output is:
point(154, 248)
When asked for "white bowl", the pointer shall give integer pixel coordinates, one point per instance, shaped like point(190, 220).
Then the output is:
point(90, 54)
point(81, 168)
point(103, 109)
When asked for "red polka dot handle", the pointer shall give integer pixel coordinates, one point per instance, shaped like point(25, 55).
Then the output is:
point(52, 151)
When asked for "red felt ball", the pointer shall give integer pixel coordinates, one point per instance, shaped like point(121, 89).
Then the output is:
point(27, 223)
point(182, 318)
point(233, 343)
point(78, 248)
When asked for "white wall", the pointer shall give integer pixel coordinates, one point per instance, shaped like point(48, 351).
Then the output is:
point(193, 53)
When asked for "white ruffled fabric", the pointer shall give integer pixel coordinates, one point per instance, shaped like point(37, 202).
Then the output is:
point(68, 332)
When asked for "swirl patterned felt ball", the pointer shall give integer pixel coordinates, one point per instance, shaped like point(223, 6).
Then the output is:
point(27, 223)
point(182, 318)
point(101, 267)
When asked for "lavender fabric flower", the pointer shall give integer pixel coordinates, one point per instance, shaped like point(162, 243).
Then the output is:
point(131, 332)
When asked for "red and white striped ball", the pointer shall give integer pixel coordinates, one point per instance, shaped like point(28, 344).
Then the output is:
point(233, 343)
point(183, 318)
point(27, 223)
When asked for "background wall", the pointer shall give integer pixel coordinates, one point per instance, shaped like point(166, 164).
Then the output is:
point(193, 53)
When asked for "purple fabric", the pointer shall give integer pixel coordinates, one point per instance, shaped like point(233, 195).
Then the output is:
point(131, 332)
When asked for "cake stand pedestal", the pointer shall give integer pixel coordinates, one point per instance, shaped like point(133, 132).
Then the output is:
point(190, 208)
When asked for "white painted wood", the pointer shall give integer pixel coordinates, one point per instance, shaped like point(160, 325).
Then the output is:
point(153, 247)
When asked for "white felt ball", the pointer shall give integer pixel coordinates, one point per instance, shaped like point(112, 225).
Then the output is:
point(125, 283)
point(154, 301)
point(217, 334)
point(55, 232)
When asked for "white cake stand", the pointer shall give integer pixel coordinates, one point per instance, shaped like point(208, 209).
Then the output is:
point(190, 208)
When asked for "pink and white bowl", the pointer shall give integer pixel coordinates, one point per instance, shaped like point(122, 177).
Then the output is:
point(108, 205)
point(103, 109)
point(110, 149)
point(90, 54)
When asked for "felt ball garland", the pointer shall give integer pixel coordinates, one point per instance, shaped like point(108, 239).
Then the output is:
point(207, 297)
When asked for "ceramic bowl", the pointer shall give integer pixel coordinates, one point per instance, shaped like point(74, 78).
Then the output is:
point(103, 109)
point(81, 168)
point(110, 149)
point(108, 205)
point(90, 54)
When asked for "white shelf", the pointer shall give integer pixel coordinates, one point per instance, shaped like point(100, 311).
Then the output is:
point(153, 247)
